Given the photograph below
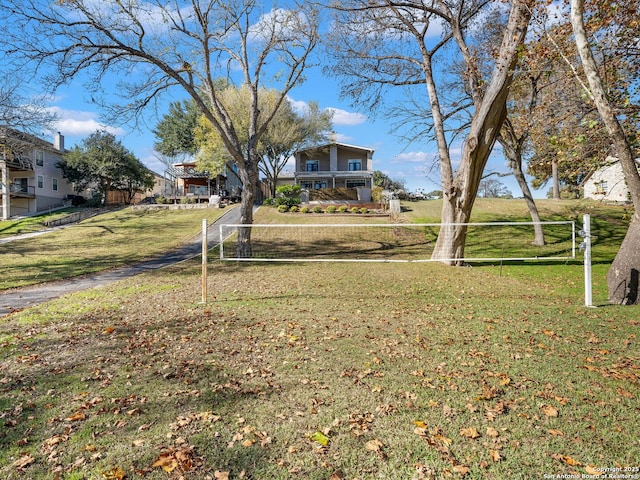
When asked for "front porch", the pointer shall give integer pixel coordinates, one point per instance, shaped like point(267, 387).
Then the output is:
point(327, 179)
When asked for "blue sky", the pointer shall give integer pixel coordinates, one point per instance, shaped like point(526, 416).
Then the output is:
point(411, 164)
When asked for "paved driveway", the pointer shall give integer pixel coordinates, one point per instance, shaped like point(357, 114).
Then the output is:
point(17, 299)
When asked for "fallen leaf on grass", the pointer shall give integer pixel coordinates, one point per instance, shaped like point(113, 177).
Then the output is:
point(218, 475)
point(566, 459)
point(166, 461)
point(115, 473)
point(495, 455)
point(492, 432)
point(172, 459)
point(320, 438)
point(24, 461)
point(550, 411)
point(557, 433)
point(50, 443)
point(470, 432)
point(592, 470)
point(461, 469)
point(76, 417)
point(336, 475)
point(374, 445)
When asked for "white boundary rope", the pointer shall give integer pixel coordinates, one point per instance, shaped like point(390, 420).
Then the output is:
point(227, 230)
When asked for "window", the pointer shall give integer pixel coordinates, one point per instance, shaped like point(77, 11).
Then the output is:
point(355, 183)
point(54, 184)
point(20, 185)
point(40, 181)
point(306, 185)
point(355, 165)
point(312, 165)
point(39, 158)
point(319, 185)
point(602, 187)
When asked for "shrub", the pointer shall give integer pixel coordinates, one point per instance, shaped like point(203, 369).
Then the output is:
point(267, 202)
point(317, 209)
point(283, 208)
point(287, 195)
point(342, 209)
point(363, 210)
point(355, 210)
point(288, 190)
point(288, 201)
point(293, 208)
point(331, 209)
point(304, 210)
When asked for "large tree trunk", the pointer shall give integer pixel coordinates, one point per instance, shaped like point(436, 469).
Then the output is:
point(555, 179)
point(459, 196)
point(622, 278)
point(624, 272)
point(249, 177)
point(538, 233)
point(512, 147)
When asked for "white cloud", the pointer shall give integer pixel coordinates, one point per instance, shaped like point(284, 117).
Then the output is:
point(299, 106)
point(342, 138)
point(413, 157)
point(279, 22)
point(342, 117)
point(80, 123)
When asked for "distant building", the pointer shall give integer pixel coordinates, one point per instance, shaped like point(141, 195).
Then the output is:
point(184, 180)
point(607, 183)
point(30, 182)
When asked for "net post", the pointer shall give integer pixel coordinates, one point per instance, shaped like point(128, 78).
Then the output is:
point(204, 260)
point(221, 242)
point(588, 284)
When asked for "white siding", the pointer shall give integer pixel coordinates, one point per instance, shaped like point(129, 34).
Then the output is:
point(608, 184)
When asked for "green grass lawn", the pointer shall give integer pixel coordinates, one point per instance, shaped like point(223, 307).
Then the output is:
point(98, 243)
point(31, 224)
point(325, 371)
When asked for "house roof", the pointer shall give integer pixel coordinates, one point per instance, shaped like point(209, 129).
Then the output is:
point(338, 144)
point(8, 134)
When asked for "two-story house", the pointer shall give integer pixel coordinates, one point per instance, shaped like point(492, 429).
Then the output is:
point(30, 182)
point(184, 180)
point(334, 165)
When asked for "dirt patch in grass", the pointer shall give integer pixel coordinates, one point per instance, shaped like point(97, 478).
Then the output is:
point(318, 371)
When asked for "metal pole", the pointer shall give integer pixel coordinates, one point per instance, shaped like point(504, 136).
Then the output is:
point(588, 285)
point(204, 260)
point(221, 244)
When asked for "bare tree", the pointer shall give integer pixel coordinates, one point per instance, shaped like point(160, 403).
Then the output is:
point(28, 114)
point(386, 43)
point(624, 274)
point(157, 47)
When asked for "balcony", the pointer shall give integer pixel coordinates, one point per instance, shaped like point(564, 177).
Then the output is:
point(19, 163)
point(20, 190)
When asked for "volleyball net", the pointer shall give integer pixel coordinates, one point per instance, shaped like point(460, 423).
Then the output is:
point(406, 242)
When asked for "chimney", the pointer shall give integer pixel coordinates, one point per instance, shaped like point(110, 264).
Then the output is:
point(58, 142)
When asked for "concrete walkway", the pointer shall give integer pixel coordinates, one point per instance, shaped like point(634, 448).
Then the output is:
point(20, 298)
